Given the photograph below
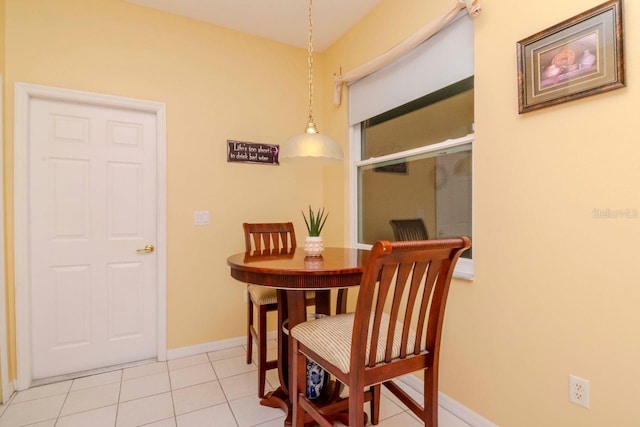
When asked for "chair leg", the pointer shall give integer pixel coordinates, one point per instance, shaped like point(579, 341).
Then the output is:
point(356, 404)
point(300, 381)
point(430, 398)
point(249, 334)
point(262, 349)
point(375, 404)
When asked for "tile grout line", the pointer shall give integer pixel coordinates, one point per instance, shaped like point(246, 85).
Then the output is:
point(226, 399)
point(116, 404)
point(173, 401)
point(62, 406)
point(115, 422)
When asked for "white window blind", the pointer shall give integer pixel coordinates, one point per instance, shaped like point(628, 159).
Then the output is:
point(445, 58)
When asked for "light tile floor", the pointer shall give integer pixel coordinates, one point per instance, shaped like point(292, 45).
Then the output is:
point(215, 389)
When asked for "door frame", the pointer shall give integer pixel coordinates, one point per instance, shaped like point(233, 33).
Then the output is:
point(24, 93)
point(7, 386)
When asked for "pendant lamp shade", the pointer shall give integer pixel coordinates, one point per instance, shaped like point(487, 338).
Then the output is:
point(311, 145)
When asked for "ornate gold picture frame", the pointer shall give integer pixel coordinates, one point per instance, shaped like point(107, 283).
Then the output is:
point(579, 57)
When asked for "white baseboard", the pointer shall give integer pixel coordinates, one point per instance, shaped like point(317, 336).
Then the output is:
point(177, 353)
point(8, 390)
point(451, 405)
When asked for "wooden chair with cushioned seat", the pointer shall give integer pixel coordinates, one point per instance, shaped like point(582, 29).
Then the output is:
point(409, 229)
point(265, 238)
point(412, 280)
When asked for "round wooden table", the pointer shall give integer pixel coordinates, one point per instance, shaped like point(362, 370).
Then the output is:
point(291, 273)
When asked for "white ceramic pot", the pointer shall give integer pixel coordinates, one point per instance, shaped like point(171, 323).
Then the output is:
point(313, 246)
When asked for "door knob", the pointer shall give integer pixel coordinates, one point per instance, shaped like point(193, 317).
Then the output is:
point(146, 250)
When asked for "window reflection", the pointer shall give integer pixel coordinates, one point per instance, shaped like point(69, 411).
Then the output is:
point(435, 186)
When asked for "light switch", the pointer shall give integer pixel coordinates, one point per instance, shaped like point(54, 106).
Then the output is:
point(201, 217)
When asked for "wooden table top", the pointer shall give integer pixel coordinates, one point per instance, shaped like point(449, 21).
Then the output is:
point(336, 268)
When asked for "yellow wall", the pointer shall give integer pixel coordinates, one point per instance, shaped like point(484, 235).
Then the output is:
point(555, 290)
point(2, 35)
point(2, 69)
point(217, 85)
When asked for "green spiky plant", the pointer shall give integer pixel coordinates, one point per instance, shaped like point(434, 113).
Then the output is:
point(316, 221)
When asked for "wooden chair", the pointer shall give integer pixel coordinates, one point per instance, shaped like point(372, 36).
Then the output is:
point(409, 229)
point(265, 239)
point(410, 279)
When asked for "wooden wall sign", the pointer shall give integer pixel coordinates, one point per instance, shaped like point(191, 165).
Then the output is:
point(251, 152)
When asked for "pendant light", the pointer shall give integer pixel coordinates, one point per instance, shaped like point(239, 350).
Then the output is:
point(311, 145)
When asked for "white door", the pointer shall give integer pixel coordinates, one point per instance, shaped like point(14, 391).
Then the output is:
point(92, 207)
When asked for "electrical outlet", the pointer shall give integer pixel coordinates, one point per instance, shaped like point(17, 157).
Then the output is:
point(579, 391)
point(245, 296)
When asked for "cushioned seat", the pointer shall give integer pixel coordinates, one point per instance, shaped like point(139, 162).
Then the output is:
point(262, 295)
point(330, 338)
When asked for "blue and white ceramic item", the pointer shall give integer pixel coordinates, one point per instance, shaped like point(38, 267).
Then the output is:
point(315, 379)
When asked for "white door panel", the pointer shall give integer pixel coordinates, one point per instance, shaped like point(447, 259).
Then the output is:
point(70, 287)
point(93, 203)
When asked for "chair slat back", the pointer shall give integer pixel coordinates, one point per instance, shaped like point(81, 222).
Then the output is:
point(269, 238)
point(409, 229)
point(402, 298)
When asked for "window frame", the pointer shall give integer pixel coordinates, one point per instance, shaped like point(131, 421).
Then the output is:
point(464, 268)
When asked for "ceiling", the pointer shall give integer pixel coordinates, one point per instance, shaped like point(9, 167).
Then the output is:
point(279, 20)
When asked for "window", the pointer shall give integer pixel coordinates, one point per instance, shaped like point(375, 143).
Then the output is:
point(415, 161)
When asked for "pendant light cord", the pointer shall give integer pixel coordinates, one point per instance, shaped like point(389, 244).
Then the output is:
point(310, 50)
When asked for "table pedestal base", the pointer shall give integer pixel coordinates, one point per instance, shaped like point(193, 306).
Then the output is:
point(277, 399)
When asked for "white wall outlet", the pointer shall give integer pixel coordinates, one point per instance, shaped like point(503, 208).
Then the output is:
point(201, 217)
point(579, 391)
point(245, 296)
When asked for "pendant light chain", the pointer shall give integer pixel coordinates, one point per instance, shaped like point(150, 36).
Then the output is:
point(311, 145)
point(310, 64)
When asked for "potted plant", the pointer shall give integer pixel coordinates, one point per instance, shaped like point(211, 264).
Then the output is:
point(314, 245)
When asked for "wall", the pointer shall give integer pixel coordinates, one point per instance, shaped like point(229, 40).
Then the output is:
point(2, 100)
point(217, 85)
point(555, 289)
point(2, 34)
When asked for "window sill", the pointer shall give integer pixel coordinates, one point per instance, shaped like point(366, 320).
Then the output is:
point(464, 269)
point(463, 276)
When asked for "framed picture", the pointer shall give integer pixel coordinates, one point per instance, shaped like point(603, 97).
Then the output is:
point(579, 57)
